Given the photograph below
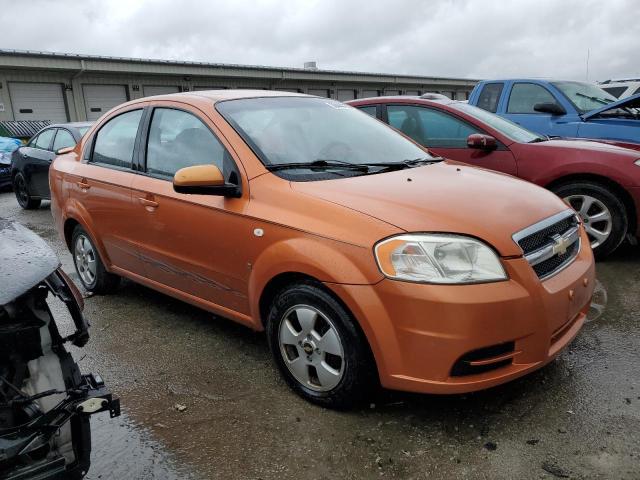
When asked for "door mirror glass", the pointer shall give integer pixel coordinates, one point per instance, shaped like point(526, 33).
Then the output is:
point(549, 107)
point(482, 142)
point(204, 180)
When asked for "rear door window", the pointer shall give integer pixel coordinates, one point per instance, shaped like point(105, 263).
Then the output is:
point(44, 139)
point(525, 95)
point(178, 139)
point(489, 96)
point(115, 141)
point(63, 139)
point(615, 91)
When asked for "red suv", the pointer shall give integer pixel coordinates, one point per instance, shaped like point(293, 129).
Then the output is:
point(600, 181)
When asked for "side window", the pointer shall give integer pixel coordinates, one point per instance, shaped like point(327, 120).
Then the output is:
point(44, 139)
point(370, 110)
point(63, 140)
point(615, 91)
point(489, 96)
point(431, 127)
point(114, 142)
point(179, 139)
point(525, 95)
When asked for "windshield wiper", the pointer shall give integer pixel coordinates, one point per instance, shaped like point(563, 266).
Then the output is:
point(409, 163)
point(318, 165)
point(603, 101)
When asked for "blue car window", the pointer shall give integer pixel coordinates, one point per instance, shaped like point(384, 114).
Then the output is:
point(489, 96)
point(525, 95)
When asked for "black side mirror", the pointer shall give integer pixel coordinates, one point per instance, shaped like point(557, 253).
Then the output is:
point(550, 107)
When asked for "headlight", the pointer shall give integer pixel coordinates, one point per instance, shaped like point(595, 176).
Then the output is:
point(438, 258)
point(637, 162)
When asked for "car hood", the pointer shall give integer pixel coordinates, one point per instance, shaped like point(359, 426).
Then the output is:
point(629, 102)
point(621, 151)
point(445, 197)
point(25, 260)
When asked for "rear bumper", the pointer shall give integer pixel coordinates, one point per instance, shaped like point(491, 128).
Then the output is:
point(421, 334)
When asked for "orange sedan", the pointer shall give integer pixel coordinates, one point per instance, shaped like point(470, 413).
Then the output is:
point(366, 259)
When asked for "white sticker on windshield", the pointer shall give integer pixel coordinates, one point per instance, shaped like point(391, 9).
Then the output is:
point(337, 105)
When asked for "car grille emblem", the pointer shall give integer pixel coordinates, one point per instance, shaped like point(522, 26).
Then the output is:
point(560, 245)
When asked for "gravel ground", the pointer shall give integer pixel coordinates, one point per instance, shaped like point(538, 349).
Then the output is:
point(577, 418)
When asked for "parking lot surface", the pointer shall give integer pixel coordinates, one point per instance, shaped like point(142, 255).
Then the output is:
point(577, 418)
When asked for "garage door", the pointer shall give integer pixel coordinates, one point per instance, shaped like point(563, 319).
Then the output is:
point(38, 101)
point(318, 92)
point(150, 90)
point(345, 95)
point(99, 99)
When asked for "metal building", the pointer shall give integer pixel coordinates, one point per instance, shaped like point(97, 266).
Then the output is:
point(66, 87)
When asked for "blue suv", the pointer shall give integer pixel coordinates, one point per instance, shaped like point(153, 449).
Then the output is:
point(562, 108)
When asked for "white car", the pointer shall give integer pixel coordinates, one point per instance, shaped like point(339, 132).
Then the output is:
point(622, 88)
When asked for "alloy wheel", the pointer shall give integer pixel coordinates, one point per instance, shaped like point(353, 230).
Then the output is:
point(311, 348)
point(85, 260)
point(595, 217)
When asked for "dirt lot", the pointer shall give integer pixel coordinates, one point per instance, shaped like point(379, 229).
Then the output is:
point(577, 418)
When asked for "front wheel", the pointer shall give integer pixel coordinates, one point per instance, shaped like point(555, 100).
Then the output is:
point(89, 266)
point(22, 193)
point(604, 216)
point(322, 354)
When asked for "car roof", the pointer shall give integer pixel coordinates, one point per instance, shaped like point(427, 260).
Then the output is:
point(70, 125)
point(226, 94)
point(403, 99)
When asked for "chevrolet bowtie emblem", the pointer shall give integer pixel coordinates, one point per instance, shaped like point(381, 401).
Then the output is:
point(560, 245)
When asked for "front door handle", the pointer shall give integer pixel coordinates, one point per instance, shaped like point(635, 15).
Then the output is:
point(83, 185)
point(149, 204)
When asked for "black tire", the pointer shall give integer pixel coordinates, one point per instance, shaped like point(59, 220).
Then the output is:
point(359, 377)
point(21, 190)
point(619, 219)
point(103, 281)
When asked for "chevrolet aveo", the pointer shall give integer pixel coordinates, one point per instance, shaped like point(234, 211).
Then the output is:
point(366, 259)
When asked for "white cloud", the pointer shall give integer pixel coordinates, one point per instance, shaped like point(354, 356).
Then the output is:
point(543, 38)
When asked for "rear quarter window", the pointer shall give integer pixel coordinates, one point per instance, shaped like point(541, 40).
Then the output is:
point(489, 96)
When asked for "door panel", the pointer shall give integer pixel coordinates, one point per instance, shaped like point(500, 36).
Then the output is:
point(103, 187)
point(39, 158)
point(190, 242)
point(520, 109)
point(187, 245)
point(446, 135)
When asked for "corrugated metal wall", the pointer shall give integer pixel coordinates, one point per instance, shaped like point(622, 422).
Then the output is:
point(72, 84)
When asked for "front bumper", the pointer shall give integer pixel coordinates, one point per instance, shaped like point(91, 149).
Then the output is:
point(5, 175)
point(418, 333)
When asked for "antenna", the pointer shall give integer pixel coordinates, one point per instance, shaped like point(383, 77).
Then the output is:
point(588, 52)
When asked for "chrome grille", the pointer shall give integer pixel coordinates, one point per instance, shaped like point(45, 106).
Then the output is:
point(551, 244)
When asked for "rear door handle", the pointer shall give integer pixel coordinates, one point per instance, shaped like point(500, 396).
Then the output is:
point(150, 204)
point(83, 185)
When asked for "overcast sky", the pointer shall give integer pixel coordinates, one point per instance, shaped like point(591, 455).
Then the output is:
point(466, 38)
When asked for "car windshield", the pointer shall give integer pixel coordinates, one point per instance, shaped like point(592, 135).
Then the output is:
point(585, 96)
point(508, 128)
point(305, 130)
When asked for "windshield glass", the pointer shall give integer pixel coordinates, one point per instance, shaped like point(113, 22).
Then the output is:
point(285, 130)
point(585, 96)
point(509, 129)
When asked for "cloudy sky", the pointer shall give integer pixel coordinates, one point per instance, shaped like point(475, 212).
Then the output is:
point(467, 38)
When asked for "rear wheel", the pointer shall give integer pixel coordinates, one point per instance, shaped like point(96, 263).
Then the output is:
point(89, 266)
point(22, 193)
point(601, 211)
point(322, 354)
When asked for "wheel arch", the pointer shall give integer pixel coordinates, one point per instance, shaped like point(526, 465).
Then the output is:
point(615, 187)
point(75, 217)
